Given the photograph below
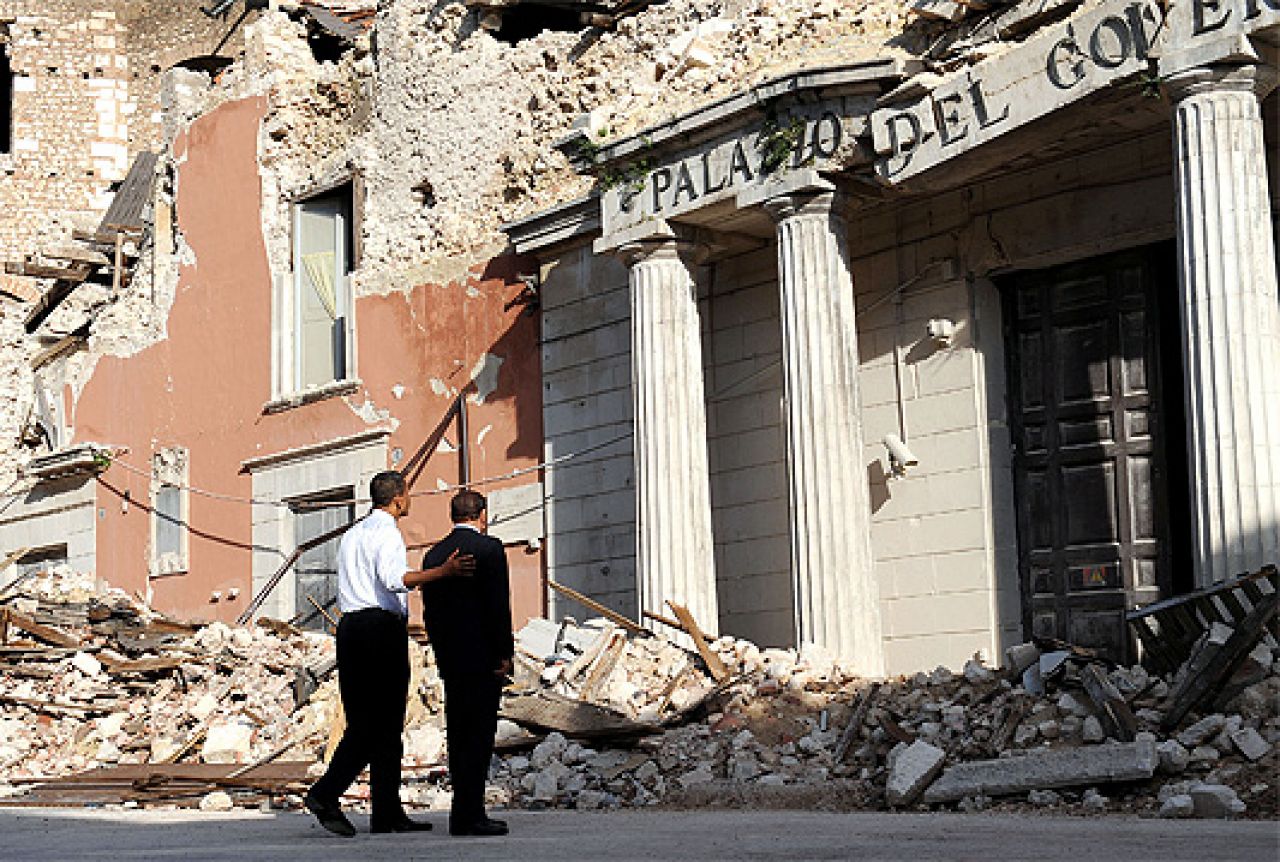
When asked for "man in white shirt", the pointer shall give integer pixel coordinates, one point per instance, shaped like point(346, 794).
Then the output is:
point(373, 660)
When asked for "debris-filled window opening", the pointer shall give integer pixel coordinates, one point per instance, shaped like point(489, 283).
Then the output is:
point(41, 560)
point(526, 21)
point(325, 47)
point(316, 572)
point(6, 101)
point(323, 234)
point(169, 512)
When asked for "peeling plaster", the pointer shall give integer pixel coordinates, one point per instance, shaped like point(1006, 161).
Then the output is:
point(485, 377)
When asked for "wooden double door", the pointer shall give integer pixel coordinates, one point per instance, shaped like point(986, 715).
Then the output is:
point(1096, 420)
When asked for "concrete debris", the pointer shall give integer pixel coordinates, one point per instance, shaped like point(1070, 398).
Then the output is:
point(1250, 743)
point(1216, 801)
point(1050, 768)
point(913, 770)
point(1178, 807)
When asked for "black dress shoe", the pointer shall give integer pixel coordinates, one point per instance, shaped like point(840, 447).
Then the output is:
point(484, 827)
point(329, 815)
point(405, 825)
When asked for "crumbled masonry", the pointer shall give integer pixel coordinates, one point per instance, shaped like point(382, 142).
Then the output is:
point(643, 723)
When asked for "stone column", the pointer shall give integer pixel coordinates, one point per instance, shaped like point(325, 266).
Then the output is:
point(1231, 317)
point(675, 552)
point(836, 596)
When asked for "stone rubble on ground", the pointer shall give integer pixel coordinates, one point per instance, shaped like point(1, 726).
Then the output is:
point(972, 739)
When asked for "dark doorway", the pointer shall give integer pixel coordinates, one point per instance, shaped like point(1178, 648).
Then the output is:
point(317, 569)
point(1096, 408)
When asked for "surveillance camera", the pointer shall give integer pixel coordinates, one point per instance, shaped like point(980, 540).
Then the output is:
point(941, 330)
point(900, 457)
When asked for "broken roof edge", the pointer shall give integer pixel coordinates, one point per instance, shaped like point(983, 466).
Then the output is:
point(81, 458)
point(557, 226)
point(848, 76)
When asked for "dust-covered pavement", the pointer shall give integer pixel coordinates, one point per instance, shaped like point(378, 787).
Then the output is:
point(66, 834)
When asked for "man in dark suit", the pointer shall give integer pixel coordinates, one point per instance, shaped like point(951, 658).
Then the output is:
point(469, 624)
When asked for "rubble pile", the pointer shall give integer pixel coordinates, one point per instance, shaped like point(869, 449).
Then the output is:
point(94, 678)
point(93, 683)
point(794, 728)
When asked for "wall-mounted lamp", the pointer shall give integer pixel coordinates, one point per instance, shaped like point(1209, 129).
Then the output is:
point(941, 330)
point(900, 457)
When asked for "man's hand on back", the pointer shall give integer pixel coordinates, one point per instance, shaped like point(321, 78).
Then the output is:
point(458, 564)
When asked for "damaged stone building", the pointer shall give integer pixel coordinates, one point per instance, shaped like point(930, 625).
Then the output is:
point(906, 331)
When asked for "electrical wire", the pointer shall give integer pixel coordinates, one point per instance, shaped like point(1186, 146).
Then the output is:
point(549, 464)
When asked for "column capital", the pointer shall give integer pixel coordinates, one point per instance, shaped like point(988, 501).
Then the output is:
point(825, 203)
point(1257, 78)
point(662, 242)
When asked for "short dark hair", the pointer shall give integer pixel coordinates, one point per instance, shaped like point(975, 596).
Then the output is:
point(467, 505)
point(385, 487)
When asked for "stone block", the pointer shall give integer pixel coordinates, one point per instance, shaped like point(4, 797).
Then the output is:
point(1250, 743)
point(1063, 767)
point(1202, 730)
point(1178, 807)
point(218, 800)
point(86, 664)
point(1216, 801)
point(1173, 757)
point(228, 742)
point(913, 770)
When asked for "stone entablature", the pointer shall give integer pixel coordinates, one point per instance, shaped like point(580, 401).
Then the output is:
point(1060, 65)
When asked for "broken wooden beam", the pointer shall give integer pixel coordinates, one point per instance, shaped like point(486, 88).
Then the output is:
point(76, 254)
point(1205, 678)
point(853, 728)
point(591, 604)
point(1111, 704)
point(63, 346)
point(78, 273)
point(715, 667)
point(48, 634)
point(48, 301)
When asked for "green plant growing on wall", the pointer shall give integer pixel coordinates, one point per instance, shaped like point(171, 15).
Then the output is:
point(778, 139)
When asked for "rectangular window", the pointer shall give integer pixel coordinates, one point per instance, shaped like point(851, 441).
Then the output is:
point(169, 512)
point(322, 344)
point(316, 572)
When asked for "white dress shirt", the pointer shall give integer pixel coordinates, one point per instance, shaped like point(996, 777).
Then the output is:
point(372, 562)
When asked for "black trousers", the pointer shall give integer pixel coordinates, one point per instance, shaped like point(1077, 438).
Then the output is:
point(373, 679)
point(471, 712)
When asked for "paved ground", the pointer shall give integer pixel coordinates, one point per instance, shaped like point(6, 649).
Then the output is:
point(67, 835)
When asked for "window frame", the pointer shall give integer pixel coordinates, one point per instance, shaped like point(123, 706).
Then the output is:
point(170, 469)
point(287, 388)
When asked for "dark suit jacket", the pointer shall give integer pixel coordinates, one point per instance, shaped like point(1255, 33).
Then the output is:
point(468, 618)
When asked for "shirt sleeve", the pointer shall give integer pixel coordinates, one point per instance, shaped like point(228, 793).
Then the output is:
point(393, 561)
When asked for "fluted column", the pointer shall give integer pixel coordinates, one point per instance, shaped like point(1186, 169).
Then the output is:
point(1231, 317)
point(675, 552)
point(836, 596)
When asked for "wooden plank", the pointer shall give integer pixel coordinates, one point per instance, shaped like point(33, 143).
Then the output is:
point(715, 667)
point(118, 265)
point(48, 634)
point(77, 273)
point(895, 730)
point(546, 711)
point(598, 674)
point(78, 254)
point(66, 345)
point(1110, 702)
point(48, 301)
point(853, 728)
point(666, 621)
point(54, 707)
point(131, 199)
point(591, 604)
point(140, 665)
point(1199, 686)
point(1013, 716)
